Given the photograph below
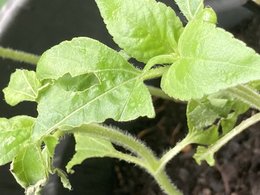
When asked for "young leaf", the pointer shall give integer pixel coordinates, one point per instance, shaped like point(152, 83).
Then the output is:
point(143, 28)
point(190, 8)
point(203, 130)
point(210, 60)
point(89, 147)
point(120, 93)
point(202, 154)
point(23, 86)
point(29, 168)
point(15, 134)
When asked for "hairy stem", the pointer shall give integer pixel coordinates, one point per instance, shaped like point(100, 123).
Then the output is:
point(147, 160)
point(18, 55)
point(247, 95)
point(128, 158)
point(122, 139)
point(165, 183)
point(174, 151)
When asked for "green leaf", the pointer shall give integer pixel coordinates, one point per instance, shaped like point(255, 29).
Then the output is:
point(80, 56)
point(51, 143)
point(210, 60)
point(203, 113)
point(143, 28)
point(202, 116)
point(202, 153)
point(29, 168)
point(23, 86)
point(120, 93)
point(190, 8)
point(88, 146)
point(15, 134)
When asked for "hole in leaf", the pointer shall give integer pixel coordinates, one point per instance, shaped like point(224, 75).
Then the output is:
point(78, 83)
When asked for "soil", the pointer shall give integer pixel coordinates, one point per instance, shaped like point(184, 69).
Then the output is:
point(237, 169)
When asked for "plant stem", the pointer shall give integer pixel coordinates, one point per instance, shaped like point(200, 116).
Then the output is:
point(158, 93)
point(18, 56)
point(128, 158)
point(165, 183)
point(122, 139)
point(147, 159)
point(247, 95)
point(174, 151)
point(162, 59)
point(155, 73)
point(235, 131)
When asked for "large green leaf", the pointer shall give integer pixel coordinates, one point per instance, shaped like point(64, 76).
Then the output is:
point(210, 60)
point(23, 86)
point(88, 146)
point(190, 8)
point(143, 28)
point(29, 168)
point(119, 94)
point(15, 134)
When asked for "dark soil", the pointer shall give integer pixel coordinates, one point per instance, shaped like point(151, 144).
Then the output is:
point(237, 169)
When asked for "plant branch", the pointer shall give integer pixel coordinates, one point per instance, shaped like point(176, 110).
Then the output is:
point(122, 139)
point(128, 158)
point(247, 95)
point(147, 159)
point(174, 151)
point(19, 56)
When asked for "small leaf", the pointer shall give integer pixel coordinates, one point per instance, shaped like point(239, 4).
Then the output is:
point(64, 178)
point(204, 130)
point(51, 143)
point(119, 94)
point(210, 60)
point(29, 168)
point(198, 108)
point(15, 134)
point(143, 28)
point(203, 154)
point(23, 86)
point(89, 147)
point(190, 8)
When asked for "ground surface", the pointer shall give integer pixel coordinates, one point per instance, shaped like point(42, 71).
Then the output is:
point(237, 170)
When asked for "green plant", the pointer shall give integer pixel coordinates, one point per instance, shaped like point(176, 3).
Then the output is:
point(78, 84)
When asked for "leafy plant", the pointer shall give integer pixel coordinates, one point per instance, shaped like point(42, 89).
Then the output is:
point(201, 64)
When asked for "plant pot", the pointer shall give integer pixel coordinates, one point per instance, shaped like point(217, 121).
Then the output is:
point(34, 26)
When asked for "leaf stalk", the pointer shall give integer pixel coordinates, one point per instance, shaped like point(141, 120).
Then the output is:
point(19, 56)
